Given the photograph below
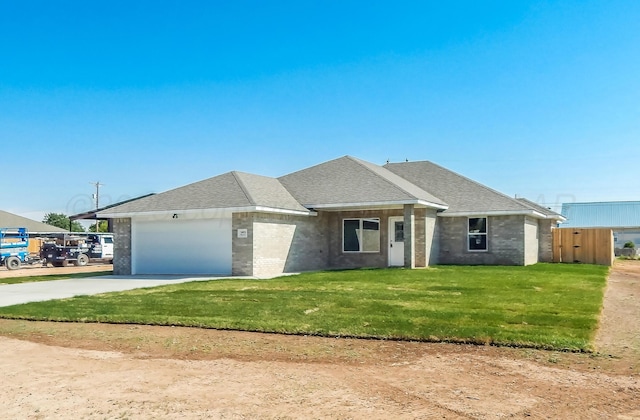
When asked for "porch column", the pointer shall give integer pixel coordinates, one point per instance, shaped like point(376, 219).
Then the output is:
point(122, 264)
point(409, 237)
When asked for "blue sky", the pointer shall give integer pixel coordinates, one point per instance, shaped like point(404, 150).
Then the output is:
point(535, 98)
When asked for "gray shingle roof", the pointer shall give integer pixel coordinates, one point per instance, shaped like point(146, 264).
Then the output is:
point(462, 194)
point(229, 190)
point(267, 192)
point(346, 182)
point(91, 214)
point(351, 181)
point(13, 221)
point(540, 209)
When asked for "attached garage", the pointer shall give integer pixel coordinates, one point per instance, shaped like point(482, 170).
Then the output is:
point(176, 246)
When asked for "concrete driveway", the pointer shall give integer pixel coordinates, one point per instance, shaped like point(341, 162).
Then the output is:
point(15, 294)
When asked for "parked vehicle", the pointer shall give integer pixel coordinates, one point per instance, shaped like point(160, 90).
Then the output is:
point(14, 248)
point(77, 248)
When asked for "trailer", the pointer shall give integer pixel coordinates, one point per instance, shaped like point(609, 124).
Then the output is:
point(14, 248)
point(77, 248)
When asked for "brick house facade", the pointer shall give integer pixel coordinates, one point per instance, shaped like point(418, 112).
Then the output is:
point(342, 214)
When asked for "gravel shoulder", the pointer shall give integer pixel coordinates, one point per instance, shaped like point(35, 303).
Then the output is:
point(62, 370)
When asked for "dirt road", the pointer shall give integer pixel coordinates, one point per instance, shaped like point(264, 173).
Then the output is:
point(619, 331)
point(55, 370)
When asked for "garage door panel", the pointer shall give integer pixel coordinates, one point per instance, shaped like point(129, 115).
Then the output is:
point(182, 247)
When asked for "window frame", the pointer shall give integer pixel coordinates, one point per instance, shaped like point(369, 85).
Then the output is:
point(485, 234)
point(361, 221)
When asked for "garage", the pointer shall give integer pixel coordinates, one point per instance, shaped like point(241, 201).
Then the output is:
point(175, 246)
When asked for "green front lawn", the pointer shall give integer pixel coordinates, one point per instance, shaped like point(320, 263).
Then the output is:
point(546, 305)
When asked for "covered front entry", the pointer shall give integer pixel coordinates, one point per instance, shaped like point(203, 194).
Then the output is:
point(175, 246)
point(396, 241)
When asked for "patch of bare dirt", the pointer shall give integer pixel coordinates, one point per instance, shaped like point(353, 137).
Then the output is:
point(619, 330)
point(57, 370)
point(39, 270)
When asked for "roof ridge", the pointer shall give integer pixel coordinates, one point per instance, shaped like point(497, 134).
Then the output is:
point(530, 203)
point(362, 163)
point(243, 187)
point(311, 167)
point(477, 183)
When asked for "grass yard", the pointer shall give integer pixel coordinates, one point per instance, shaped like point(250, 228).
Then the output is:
point(550, 306)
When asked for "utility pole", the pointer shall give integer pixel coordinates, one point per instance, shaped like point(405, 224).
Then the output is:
point(97, 184)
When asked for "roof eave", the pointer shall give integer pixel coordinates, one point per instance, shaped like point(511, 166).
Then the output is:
point(532, 213)
point(375, 205)
point(210, 212)
point(264, 209)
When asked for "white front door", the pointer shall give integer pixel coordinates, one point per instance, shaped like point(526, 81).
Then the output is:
point(396, 241)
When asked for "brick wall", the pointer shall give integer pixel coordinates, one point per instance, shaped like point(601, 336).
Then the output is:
point(309, 245)
point(122, 247)
point(425, 238)
point(277, 244)
point(421, 244)
point(272, 245)
point(505, 238)
point(531, 238)
point(545, 241)
point(410, 236)
point(242, 248)
point(430, 238)
point(435, 244)
point(340, 259)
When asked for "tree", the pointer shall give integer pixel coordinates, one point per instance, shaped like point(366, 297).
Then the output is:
point(103, 226)
point(62, 221)
point(630, 244)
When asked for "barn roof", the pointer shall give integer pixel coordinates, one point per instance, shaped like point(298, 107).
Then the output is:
point(610, 214)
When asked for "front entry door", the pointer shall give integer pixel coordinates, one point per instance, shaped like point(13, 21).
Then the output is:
point(396, 241)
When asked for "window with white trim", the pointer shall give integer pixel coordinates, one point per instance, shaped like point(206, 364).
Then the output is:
point(361, 235)
point(477, 234)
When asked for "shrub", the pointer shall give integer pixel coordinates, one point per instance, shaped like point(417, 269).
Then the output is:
point(629, 244)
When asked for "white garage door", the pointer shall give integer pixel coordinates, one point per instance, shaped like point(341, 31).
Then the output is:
point(181, 246)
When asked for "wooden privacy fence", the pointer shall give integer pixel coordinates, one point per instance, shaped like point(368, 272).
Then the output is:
point(588, 246)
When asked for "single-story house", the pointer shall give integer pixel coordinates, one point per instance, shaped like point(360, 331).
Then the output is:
point(344, 213)
point(34, 227)
point(623, 217)
point(92, 215)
